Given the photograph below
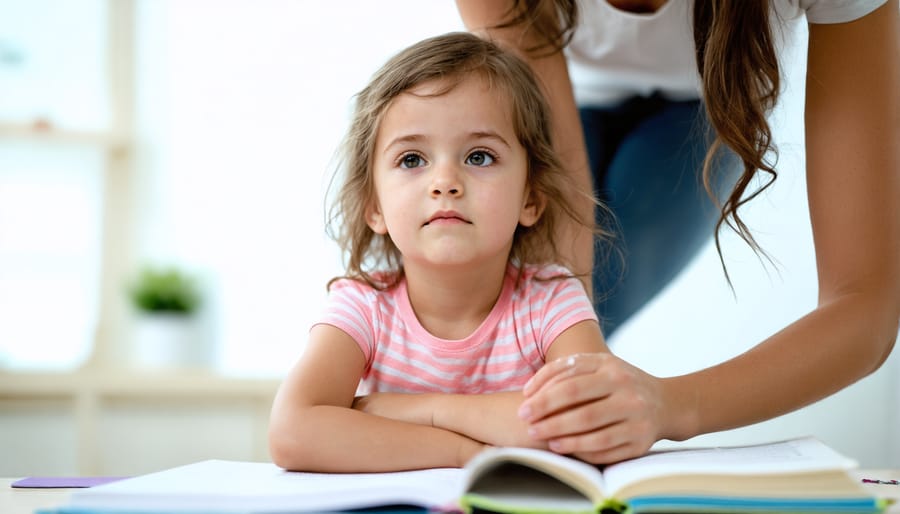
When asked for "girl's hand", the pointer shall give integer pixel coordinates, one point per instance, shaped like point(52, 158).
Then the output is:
point(595, 406)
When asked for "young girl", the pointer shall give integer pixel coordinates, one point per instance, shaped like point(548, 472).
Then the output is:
point(447, 212)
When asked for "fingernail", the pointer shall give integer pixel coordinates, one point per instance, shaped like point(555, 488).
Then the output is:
point(528, 384)
point(525, 412)
point(532, 433)
point(555, 446)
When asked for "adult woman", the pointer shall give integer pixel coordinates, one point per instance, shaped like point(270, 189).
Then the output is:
point(599, 407)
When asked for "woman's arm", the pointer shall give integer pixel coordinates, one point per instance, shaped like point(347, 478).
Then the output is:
point(853, 176)
point(853, 184)
point(552, 73)
point(314, 428)
point(491, 418)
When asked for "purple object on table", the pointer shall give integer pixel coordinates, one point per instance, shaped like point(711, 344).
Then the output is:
point(59, 482)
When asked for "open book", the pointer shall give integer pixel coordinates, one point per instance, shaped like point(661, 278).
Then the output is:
point(800, 475)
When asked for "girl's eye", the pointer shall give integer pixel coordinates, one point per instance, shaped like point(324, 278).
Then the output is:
point(411, 160)
point(480, 158)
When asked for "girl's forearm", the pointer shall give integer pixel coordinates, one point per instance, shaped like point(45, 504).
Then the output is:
point(338, 439)
point(489, 418)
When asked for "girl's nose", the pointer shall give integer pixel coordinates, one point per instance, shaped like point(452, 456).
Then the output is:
point(446, 181)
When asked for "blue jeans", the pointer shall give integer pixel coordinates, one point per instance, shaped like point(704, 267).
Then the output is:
point(646, 156)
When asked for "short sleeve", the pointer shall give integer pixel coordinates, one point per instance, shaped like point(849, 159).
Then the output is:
point(838, 11)
point(563, 303)
point(350, 307)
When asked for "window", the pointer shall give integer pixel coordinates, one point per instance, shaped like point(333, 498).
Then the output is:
point(237, 110)
point(53, 118)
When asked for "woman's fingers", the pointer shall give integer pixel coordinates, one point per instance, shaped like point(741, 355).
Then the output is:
point(612, 455)
point(561, 384)
point(597, 432)
point(622, 439)
point(562, 368)
point(572, 422)
point(572, 381)
point(595, 406)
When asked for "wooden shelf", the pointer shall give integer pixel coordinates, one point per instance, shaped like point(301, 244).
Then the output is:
point(40, 133)
point(132, 384)
point(119, 421)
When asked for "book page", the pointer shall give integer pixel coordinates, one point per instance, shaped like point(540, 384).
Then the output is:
point(583, 478)
point(802, 455)
point(513, 487)
point(231, 486)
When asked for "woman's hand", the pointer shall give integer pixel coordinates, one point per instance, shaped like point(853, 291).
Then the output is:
point(595, 406)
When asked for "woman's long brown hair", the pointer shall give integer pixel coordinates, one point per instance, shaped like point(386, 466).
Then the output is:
point(740, 78)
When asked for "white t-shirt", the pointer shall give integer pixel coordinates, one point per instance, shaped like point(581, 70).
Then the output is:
point(616, 54)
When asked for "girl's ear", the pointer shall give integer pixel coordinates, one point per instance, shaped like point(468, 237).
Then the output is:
point(532, 208)
point(375, 219)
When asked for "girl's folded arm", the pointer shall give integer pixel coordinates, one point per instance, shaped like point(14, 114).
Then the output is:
point(492, 418)
point(313, 426)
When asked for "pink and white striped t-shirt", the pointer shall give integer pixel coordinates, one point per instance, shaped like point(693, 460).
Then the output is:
point(501, 355)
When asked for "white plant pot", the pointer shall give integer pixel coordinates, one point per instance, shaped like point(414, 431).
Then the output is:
point(167, 341)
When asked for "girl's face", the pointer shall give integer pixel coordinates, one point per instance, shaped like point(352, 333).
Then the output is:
point(450, 176)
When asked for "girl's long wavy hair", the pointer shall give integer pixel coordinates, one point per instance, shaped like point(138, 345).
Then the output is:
point(740, 76)
point(448, 60)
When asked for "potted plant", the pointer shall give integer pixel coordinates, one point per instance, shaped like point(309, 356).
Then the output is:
point(165, 302)
point(167, 291)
